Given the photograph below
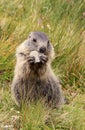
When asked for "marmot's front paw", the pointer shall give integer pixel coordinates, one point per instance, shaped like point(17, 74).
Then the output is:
point(43, 59)
point(31, 59)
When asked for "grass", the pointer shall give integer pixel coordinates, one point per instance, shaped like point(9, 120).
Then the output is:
point(64, 22)
point(41, 117)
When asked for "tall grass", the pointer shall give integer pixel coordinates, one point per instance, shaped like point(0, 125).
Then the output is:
point(62, 20)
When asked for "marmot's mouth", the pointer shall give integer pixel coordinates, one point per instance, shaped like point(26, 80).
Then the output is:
point(36, 66)
point(38, 69)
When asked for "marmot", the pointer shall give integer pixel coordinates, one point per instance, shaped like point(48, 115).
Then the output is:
point(33, 75)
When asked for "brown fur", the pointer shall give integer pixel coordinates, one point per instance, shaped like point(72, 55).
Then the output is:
point(33, 81)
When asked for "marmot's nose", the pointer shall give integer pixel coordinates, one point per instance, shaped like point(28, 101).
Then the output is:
point(42, 49)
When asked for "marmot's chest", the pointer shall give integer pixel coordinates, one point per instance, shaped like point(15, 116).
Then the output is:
point(39, 89)
point(36, 83)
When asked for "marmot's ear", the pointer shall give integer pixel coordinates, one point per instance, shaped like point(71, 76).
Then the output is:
point(48, 44)
point(52, 53)
point(29, 36)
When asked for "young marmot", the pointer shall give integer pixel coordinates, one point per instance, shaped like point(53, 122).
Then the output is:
point(33, 76)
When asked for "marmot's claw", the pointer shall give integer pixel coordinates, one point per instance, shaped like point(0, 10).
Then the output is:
point(43, 59)
point(31, 59)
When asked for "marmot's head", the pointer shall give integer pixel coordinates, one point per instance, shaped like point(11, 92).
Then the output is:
point(41, 51)
point(38, 41)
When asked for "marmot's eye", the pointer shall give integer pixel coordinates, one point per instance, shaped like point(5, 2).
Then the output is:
point(34, 40)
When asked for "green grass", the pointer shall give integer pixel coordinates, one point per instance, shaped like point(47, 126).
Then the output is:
point(64, 22)
point(41, 117)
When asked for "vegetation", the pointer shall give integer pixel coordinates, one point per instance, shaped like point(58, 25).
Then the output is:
point(64, 22)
